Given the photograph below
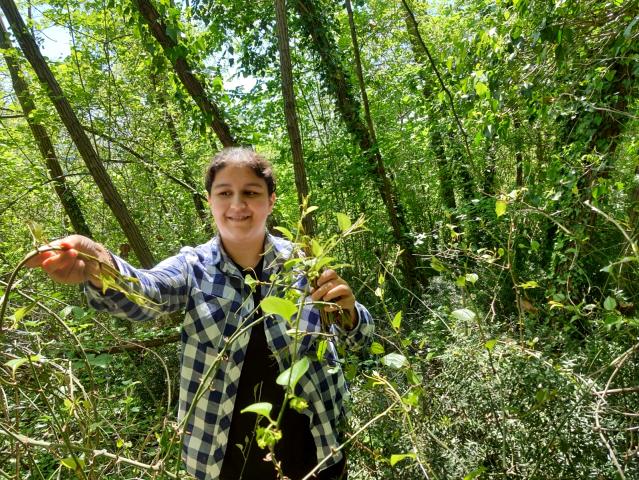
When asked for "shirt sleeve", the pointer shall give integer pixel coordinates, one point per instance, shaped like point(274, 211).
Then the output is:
point(361, 334)
point(162, 289)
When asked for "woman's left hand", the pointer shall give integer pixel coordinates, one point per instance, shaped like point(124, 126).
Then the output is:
point(332, 288)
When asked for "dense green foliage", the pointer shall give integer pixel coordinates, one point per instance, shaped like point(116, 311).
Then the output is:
point(515, 355)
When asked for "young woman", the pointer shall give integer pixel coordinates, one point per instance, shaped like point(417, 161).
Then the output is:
point(208, 283)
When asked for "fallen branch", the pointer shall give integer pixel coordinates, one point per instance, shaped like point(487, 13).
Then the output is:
point(132, 345)
point(617, 390)
point(28, 441)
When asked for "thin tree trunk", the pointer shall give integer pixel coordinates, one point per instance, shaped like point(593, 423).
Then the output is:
point(76, 131)
point(633, 206)
point(444, 172)
point(290, 110)
point(193, 85)
point(42, 139)
point(339, 85)
point(422, 58)
point(201, 207)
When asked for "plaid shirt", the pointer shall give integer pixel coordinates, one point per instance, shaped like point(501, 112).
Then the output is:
point(209, 287)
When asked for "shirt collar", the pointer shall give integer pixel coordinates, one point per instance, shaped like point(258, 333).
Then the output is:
point(276, 251)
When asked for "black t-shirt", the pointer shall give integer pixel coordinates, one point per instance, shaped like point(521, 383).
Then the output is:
point(296, 449)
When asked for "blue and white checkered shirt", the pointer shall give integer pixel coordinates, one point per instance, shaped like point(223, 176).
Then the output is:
point(209, 287)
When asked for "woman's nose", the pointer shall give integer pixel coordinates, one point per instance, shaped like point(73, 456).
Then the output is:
point(238, 201)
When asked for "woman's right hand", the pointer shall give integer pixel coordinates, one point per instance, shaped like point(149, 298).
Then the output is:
point(66, 265)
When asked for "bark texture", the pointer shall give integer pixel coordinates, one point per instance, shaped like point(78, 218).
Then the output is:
point(338, 83)
point(290, 110)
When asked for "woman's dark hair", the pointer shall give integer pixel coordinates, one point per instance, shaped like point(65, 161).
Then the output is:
point(241, 157)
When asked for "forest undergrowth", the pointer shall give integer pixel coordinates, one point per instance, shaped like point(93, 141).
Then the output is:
point(492, 146)
point(451, 386)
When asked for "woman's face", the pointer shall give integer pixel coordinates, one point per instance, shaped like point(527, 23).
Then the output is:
point(240, 204)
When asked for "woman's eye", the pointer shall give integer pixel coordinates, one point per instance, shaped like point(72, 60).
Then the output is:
point(251, 194)
point(224, 194)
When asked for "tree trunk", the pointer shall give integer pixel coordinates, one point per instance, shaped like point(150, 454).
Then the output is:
point(193, 85)
point(290, 111)
point(79, 137)
point(444, 173)
point(338, 84)
point(445, 168)
point(201, 207)
point(42, 139)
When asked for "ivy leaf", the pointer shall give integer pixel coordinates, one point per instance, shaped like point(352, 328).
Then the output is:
point(490, 344)
point(399, 457)
point(500, 207)
point(343, 221)
point(394, 360)
point(292, 375)
point(278, 306)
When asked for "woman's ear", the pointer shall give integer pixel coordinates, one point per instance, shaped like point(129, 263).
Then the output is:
point(272, 199)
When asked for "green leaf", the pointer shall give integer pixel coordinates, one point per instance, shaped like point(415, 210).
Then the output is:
point(490, 344)
point(475, 473)
point(343, 221)
point(394, 360)
point(311, 209)
point(316, 248)
point(529, 284)
point(472, 277)
point(285, 231)
point(500, 207)
point(437, 265)
point(100, 361)
point(20, 313)
point(411, 398)
point(412, 377)
point(377, 348)
point(218, 84)
point(481, 89)
point(397, 321)
point(610, 303)
point(460, 282)
point(16, 363)
point(298, 404)
point(278, 306)
point(321, 349)
point(71, 463)
point(261, 408)
point(399, 457)
point(292, 375)
point(627, 33)
point(464, 315)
